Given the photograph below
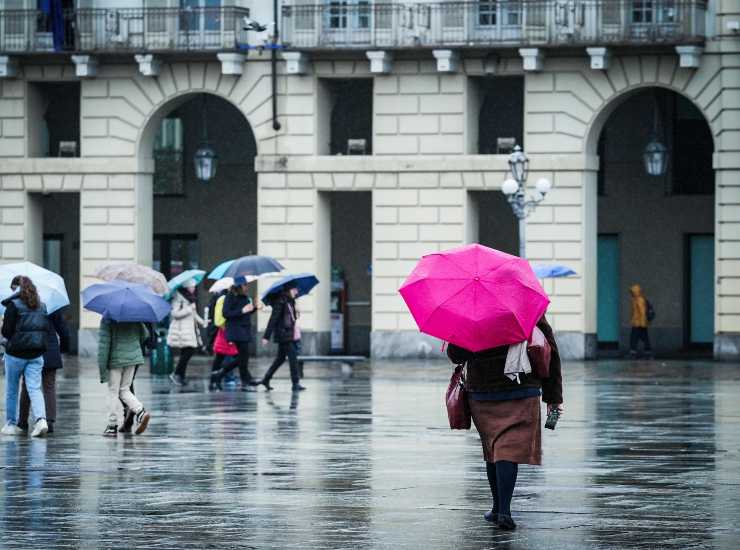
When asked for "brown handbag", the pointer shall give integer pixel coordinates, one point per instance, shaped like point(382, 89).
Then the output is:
point(539, 353)
point(458, 409)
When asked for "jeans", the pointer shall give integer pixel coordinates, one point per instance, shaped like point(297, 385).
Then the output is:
point(49, 389)
point(286, 350)
point(119, 388)
point(30, 369)
point(639, 334)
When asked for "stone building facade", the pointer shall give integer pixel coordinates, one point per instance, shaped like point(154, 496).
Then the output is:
point(423, 173)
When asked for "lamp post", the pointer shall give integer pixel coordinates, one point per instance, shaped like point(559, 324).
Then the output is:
point(205, 158)
point(515, 190)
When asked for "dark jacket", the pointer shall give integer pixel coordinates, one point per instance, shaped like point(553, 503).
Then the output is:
point(212, 329)
point(25, 329)
point(281, 326)
point(238, 324)
point(485, 369)
point(57, 341)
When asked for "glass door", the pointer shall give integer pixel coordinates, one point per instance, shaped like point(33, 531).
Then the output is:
point(608, 291)
point(200, 23)
point(701, 290)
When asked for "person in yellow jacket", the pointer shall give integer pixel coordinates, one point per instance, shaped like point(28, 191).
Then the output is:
point(639, 322)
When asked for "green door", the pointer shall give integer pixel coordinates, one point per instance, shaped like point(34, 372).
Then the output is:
point(608, 290)
point(701, 289)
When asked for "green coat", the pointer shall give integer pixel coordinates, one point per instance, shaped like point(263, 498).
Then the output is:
point(119, 346)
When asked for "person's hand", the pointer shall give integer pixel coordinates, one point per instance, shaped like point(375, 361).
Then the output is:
point(265, 342)
point(193, 306)
point(551, 406)
point(259, 305)
point(249, 308)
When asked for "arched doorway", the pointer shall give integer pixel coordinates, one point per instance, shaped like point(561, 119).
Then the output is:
point(656, 231)
point(198, 224)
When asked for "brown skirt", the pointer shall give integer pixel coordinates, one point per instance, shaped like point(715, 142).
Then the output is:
point(509, 430)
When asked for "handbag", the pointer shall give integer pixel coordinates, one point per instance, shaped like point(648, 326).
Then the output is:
point(539, 353)
point(458, 409)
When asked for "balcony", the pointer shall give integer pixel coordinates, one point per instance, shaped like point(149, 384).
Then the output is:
point(125, 30)
point(493, 23)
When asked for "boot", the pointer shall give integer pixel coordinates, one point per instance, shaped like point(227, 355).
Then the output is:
point(216, 378)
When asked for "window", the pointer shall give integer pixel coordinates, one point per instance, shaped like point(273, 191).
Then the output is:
point(487, 13)
point(501, 113)
point(168, 158)
point(174, 254)
point(342, 13)
point(642, 11)
point(511, 13)
point(54, 119)
point(53, 253)
point(351, 116)
point(200, 15)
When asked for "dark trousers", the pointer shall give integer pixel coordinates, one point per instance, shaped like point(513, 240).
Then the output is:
point(219, 360)
point(49, 387)
point(242, 362)
point(639, 334)
point(289, 351)
point(182, 364)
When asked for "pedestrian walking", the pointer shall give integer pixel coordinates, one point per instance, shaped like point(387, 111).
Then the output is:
point(506, 413)
point(57, 342)
point(119, 355)
point(283, 328)
point(238, 309)
point(639, 321)
point(146, 349)
point(25, 326)
point(184, 332)
point(226, 353)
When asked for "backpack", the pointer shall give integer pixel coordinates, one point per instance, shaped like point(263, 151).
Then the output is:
point(649, 310)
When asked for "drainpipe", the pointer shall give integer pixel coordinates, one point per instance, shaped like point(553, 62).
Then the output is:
point(273, 60)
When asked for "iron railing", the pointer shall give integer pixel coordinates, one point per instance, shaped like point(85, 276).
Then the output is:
point(123, 30)
point(364, 24)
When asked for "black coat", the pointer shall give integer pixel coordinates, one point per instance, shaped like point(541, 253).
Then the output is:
point(238, 323)
point(281, 326)
point(25, 334)
point(57, 341)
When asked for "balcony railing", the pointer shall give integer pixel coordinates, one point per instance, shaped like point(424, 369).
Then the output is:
point(483, 23)
point(122, 30)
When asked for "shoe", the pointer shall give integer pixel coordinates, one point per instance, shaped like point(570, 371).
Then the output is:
point(266, 384)
point(111, 430)
point(128, 422)
point(491, 516)
point(248, 388)
point(178, 380)
point(298, 387)
point(215, 383)
point(506, 522)
point(40, 428)
point(11, 429)
point(142, 421)
point(254, 382)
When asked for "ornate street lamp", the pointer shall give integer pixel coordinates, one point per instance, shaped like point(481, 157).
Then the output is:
point(655, 155)
point(515, 190)
point(205, 158)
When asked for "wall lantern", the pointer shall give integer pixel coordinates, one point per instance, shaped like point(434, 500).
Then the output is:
point(655, 155)
point(205, 159)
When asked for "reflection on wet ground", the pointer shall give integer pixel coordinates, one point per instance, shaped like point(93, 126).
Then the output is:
point(647, 456)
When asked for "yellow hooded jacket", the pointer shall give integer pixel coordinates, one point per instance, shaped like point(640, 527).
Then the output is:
point(639, 307)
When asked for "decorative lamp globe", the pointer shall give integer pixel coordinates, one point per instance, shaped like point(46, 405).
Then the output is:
point(206, 162)
point(509, 187)
point(543, 185)
point(655, 158)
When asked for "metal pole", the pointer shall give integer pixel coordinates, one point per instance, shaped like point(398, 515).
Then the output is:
point(522, 236)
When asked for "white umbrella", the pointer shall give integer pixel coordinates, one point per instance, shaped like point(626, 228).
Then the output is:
point(50, 286)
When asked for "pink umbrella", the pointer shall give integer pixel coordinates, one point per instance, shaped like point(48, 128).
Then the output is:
point(475, 297)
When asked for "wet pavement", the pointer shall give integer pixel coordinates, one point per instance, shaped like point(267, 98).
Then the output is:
point(646, 456)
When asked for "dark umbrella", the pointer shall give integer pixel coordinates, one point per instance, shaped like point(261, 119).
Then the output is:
point(304, 282)
point(125, 302)
point(253, 265)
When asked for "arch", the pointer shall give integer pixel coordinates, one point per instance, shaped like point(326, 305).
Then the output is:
point(604, 111)
point(148, 131)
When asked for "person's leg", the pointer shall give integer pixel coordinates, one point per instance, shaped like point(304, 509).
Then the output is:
point(276, 364)
point(182, 364)
point(13, 371)
point(505, 481)
point(24, 407)
point(492, 516)
point(49, 386)
point(295, 375)
point(115, 409)
point(634, 338)
point(646, 341)
point(218, 360)
point(244, 373)
point(32, 376)
point(141, 418)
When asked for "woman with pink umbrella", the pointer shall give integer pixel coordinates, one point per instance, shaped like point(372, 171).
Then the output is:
point(486, 304)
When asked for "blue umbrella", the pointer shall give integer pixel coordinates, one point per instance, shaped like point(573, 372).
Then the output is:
point(125, 302)
point(220, 269)
point(253, 265)
point(49, 285)
point(303, 281)
point(176, 282)
point(552, 271)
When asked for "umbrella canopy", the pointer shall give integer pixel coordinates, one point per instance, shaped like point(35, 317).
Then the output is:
point(475, 297)
point(134, 273)
point(226, 283)
point(220, 269)
point(196, 275)
point(50, 286)
point(303, 281)
point(122, 301)
point(552, 271)
point(252, 265)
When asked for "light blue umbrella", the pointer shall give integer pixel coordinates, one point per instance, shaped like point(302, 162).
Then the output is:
point(125, 302)
point(304, 282)
point(196, 275)
point(220, 269)
point(552, 271)
point(50, 286)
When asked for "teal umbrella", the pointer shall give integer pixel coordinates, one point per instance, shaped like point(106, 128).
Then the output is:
point(196, 275)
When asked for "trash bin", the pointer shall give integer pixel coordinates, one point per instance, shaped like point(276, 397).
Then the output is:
point(161, 360)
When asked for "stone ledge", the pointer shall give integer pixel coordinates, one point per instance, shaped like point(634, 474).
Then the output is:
point(98, 165)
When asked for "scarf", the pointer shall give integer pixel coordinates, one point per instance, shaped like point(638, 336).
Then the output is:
point(517, 362)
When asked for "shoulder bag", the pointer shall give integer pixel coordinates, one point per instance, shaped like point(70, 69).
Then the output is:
point(458, 409)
